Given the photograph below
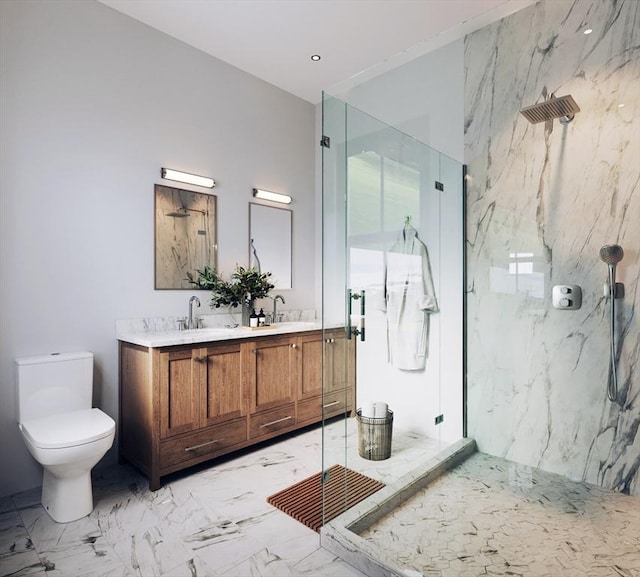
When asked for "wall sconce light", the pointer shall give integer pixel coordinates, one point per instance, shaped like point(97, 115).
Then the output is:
point(178, 176)
point(273, 196)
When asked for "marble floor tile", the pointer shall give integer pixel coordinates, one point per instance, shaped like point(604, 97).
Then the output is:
point(152, 552)
point(193, 567)
point(214, 521)
point(47, 535)
point(17, 554)
point(322, 563)
point(117, 517)
point(96, 559)
point(264, 563)
point(225, 553)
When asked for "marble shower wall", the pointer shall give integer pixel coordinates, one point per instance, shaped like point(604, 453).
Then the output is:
point(542, 199)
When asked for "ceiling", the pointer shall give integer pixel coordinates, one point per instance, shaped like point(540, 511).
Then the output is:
point(275, 39)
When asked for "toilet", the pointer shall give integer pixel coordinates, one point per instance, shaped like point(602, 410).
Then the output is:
point(61, 430)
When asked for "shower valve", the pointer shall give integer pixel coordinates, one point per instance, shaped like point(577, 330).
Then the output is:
point(567, 297)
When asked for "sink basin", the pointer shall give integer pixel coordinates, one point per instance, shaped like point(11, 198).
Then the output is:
point(296, 326)
point(208, 331)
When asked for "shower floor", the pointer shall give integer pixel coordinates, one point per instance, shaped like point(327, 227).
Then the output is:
point(490, 516)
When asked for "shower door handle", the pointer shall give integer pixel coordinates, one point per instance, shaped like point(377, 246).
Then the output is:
point(359, 331)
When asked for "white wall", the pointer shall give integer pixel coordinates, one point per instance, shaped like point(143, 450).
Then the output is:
point(92, 104)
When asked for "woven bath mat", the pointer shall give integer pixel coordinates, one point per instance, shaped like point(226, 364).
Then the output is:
point(343, 489)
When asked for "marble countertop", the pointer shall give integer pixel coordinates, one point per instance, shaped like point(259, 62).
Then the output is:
point(205, 335)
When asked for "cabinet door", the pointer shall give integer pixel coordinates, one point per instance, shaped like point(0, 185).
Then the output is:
point(340, 361)
point(308, 360)
point(221, 395)
point(178, 393)
point(268, 372)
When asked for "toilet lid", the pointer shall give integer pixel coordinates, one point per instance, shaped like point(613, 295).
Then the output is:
point(68, 429)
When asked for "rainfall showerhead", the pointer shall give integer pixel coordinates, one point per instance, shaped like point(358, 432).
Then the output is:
point(563, 108)
point(611, 254)
point(179, 212)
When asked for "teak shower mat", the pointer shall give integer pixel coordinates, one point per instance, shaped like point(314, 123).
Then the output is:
point(343, 489)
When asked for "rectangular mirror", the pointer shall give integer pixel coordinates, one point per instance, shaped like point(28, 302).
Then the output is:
point(185, 235)
point(270, 242)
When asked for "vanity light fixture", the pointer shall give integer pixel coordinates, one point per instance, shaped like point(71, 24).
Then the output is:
point(178, 176)
point(273, 196)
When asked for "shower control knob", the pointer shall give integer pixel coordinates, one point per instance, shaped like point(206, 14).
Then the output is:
point(567, 297)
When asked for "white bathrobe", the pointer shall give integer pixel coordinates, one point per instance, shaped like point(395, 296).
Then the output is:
point(410, 299)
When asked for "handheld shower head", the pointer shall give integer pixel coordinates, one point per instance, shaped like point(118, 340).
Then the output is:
point(611, 254)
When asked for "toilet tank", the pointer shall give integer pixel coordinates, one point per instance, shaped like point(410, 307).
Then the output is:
point(55, 383)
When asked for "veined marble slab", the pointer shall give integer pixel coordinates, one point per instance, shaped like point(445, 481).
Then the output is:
point(541, 201)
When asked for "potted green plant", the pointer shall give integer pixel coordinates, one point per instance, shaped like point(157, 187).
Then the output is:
point(245, 286)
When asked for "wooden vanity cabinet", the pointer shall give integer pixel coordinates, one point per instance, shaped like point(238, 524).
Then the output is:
point(200, 388)
point(270, 381)
point(180, 406)
point(268, 373)
point(339, 375)
point(185, 404)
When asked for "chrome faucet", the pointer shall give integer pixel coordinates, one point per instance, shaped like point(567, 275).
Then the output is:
point(274, 316)
point(191, 324)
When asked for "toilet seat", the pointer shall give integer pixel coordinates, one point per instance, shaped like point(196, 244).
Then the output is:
point(68, 429)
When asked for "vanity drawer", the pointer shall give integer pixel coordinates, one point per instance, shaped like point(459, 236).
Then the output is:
point(271, 421)
point(210, 441)
point(334, 403)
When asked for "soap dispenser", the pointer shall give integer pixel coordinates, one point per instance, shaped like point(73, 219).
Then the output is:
point(262, 318)
point(253, 319)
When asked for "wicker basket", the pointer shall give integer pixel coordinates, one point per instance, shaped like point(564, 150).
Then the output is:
point(374, 436)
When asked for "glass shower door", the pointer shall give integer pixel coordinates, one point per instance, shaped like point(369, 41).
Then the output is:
point(383, 297)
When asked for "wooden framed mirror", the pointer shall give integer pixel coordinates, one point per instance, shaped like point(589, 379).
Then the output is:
point(185, 235)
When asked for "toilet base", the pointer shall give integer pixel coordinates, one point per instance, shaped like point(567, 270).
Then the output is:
point(67, 499)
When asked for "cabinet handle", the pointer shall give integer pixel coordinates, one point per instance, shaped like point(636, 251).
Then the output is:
point(276, 422)
point(329, 341)
point(201, 359)
point(203, 445)
point(294, 346)
point(330, 404)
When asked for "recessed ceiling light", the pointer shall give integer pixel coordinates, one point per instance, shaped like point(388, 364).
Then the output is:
point(315, 57)
point(587, 31)
point(621, 105)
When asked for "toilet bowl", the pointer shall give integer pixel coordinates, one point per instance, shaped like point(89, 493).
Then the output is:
point(68, 446)
point(61, 430)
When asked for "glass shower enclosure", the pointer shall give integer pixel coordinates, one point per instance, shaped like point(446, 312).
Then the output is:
point(392, 305)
